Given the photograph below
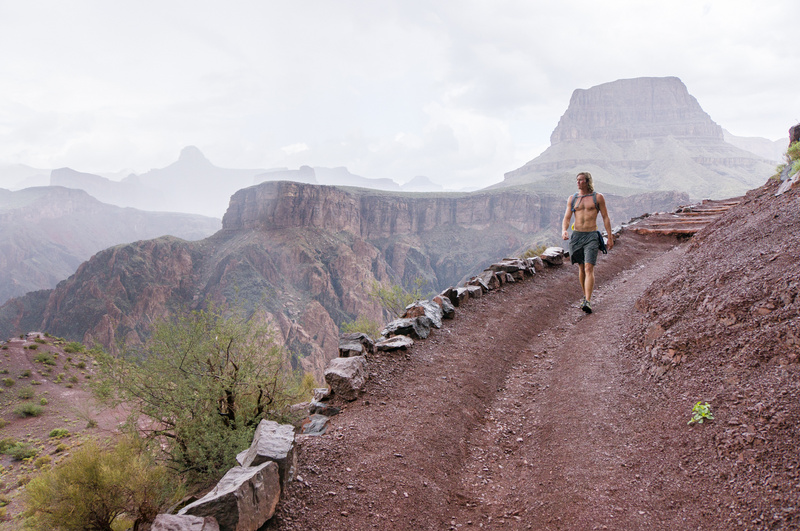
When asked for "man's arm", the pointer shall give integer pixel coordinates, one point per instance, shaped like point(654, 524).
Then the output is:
point(601, 202)
point(567, 217)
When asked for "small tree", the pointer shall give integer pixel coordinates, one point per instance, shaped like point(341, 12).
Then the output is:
point(97, 486)
point(202, 384)
point(395, 298)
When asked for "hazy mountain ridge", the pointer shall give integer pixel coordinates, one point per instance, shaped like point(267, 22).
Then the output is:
point(47, 232)
point(645, 134)
point(303, 257)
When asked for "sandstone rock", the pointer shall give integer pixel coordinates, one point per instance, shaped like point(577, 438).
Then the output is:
point(456, 295)
point(349, 348)
point(508, 276)
point(417, 327)
point(478, 281)
point(489, 279)
point(273, 442)
point(315, 425)
point(553, 256)
point(475, 292)
point(429, 309)
point(174, 522)
point(366, 341)
point(536, 263)
point(322, 393)
point(394, 343)
point(323, 408)
point(508, 265)
point(346, 376)
point(243, 500)
point(448, 310)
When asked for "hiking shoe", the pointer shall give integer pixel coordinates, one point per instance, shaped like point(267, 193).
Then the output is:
point(586, 306)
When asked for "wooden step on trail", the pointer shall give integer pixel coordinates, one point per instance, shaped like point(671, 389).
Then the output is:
point(685, 221)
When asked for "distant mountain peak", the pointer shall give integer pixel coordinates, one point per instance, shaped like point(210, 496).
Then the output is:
point(192, 155)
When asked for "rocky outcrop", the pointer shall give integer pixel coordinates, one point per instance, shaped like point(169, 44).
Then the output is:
point(643, 134)
point(301, 257)
point(628, 109)
point(243, 500)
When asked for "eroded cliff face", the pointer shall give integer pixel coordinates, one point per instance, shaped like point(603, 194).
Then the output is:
point(644, 134)
point(303, 257)
point(627, 109)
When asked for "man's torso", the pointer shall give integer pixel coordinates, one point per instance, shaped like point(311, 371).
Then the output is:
point(585, 214)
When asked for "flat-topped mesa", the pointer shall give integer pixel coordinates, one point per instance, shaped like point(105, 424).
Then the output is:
point(281, 205)
point(628, 109)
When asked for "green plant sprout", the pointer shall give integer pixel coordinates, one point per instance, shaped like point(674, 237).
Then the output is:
point(701, 412)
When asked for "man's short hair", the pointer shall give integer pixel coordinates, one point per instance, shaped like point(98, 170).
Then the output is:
point(589, 182)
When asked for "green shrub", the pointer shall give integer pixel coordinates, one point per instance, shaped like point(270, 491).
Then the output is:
point(3, 423)
point(73, 379)
point(32, 347)
point(59, 433)
point(3, 371)
point(42, 461)
point(534, 251)
point(97, 487)
point(20, 451)
point(28, 410)
point(43, 401)
point(74, 346)
point(8, 382)
point(7, 443)
point(60, 377)
point(25, 374)
point(40, 341)
point(26, 392)
point(362, 324)
point(45, 357)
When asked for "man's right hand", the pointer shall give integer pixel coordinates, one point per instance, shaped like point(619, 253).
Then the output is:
point(564, 235)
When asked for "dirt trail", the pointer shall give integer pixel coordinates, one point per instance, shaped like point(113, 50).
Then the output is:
point(522, 413)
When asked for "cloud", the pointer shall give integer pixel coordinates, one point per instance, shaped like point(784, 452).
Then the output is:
point(461, 92)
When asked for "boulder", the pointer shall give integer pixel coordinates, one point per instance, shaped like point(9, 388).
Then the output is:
point(346, 376)
point(322, 408)
point(508, 265)
point(553, 256)
point(322, 393)
point(349, 348)
point(478, 281)
point(174, 522)
point(394, 343)
point(273, 442)
point(417, 327)
point(366, 342)
point(489, 279)
point(315, 425)
point(448, 310)
point(243, 500)
point(429, 309)
point(536, 263)
point(475, 292)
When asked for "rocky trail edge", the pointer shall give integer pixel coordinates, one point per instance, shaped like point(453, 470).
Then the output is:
point(521, 413)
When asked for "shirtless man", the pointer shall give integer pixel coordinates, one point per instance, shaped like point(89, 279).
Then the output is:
point(583, 244)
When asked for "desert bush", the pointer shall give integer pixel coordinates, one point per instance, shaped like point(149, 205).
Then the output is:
point(206, 379)
point(8, 382)
point(59, 433)
point(3, 423)
point(3, 371)
point(19, 451)
point(81, 364)
point(6, 443)
point(534, 251)
point(28, 410)
point(394, 298)
point(25, 374)
point(32, 347)
point(43, 401)
point(45, 357)
point(42, 461)
point(73, 379)
point(98, 487)
point(26, 392)
point(40, 340)
point(362, 324)
point(74, 346)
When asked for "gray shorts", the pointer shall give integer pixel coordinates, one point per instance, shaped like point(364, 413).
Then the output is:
point(583, 247)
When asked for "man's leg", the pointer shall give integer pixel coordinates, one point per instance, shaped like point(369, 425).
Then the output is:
point(587, 281)
point(582, 279)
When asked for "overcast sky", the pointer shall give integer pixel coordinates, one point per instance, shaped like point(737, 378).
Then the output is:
point(459, 91)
